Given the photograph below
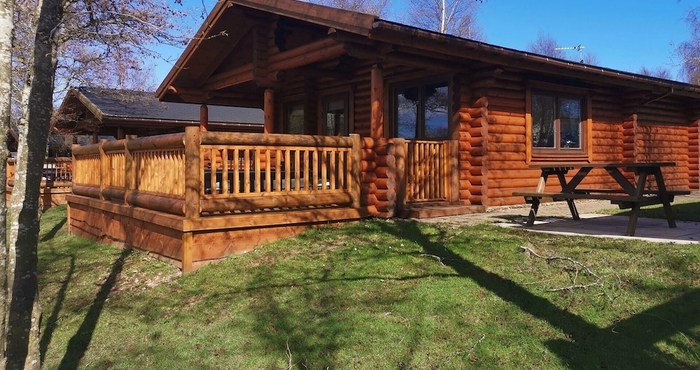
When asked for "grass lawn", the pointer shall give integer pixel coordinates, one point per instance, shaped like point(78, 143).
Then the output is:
point(375, 295)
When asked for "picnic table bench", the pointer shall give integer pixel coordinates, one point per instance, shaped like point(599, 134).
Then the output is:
point(630, 195)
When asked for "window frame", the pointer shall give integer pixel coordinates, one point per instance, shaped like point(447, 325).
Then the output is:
point(559, 154)
point(420, 83)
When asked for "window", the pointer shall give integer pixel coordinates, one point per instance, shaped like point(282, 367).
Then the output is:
point(421, 111)
point(558, 123)
point(294, 118)
point(335, 115)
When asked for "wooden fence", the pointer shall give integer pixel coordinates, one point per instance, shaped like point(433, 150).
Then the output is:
point(428, 172)
point(197, 173)
point(57, 171)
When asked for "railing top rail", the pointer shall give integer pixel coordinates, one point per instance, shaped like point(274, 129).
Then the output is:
point(236, 138)
point(168, 141)
point(46, 160)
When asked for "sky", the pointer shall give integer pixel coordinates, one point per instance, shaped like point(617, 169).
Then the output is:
point(625, 35)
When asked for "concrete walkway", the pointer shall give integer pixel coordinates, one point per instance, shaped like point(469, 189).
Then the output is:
point(649, 229)
point(598, 225)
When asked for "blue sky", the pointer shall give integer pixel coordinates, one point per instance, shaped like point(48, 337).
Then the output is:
point(624, 34)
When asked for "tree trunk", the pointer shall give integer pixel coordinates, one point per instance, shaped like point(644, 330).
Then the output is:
point(23, 335)
point(6, 28)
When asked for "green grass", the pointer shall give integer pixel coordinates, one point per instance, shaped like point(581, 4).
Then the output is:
point(682, 211)
point(374, 295)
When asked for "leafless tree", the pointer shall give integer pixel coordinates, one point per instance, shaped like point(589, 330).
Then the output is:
point(57, 35)
point(591, 59)
point(6, 30)
point(546, 45)
point(374, 7)
point(689, 51)
point(659, 72)
point(454, 17)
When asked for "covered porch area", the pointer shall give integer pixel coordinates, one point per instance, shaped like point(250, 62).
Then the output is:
point(195, 197)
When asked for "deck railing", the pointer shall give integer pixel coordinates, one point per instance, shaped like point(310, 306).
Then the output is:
point(199, 173)
point(427, 170)
point(57, 172)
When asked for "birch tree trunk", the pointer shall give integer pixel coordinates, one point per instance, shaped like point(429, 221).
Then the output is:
point(25, 312)
point(6, 28)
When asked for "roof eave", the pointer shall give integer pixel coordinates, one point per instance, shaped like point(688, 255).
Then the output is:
point(199, 37)
point(513, 54)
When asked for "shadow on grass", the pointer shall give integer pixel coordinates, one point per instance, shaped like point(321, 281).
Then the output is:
point(630, 344)
point(80, 341)
point(52, 321)
point(49, 235)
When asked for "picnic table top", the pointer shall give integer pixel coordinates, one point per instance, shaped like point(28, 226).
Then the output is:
point(601, 164)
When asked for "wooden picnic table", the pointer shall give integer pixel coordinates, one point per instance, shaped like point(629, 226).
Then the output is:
point(631, 194)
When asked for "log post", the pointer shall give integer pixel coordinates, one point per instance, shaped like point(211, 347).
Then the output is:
point(400, 154)
point(203, 118)
point(356, 168)
point(193, 169)
point(187, 246)
point(453, 157)
point(269, 109)
point(377, 101)
point(103, 169)
point(129, 170)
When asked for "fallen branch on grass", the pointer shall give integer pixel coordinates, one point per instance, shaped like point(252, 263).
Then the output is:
point(578, 267)
point(434, 256)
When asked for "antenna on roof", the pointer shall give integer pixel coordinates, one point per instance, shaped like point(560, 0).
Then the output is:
point(579, 48)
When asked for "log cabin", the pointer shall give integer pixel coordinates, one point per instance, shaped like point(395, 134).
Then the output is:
point(116, 113)
point(363, 117)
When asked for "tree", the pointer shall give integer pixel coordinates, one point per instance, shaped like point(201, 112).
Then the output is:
point(689, 51)
point(454, 17)
point(92, 34)
point(546, 45)
point(6, 30)
point(374, 7)
point(659, 72)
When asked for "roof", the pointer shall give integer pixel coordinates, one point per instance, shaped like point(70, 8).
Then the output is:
point(114, 104)
point(228, 18)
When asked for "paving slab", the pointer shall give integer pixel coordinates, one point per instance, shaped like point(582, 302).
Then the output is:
point(649, 229)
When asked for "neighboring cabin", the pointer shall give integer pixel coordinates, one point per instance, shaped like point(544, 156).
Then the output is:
point(115, 113)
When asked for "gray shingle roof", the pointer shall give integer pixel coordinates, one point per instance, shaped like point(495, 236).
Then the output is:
point(114, 103)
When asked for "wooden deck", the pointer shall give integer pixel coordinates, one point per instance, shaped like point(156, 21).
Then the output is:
point(56, 182)
point(195, 197)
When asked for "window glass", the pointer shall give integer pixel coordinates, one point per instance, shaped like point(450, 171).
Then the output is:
point(435, 112)
point(407, 112)
point(570, 117)
point(543, 121)
point(557, 122)
point(295, 119)
point(335, 113)
point(422, 111)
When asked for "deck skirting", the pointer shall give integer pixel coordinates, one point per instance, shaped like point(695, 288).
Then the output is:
point(191, 243)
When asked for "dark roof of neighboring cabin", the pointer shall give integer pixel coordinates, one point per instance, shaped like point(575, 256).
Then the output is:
point(372, 29)
point(115, 104)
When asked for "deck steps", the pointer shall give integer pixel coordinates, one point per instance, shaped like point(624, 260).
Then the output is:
point(439, 210)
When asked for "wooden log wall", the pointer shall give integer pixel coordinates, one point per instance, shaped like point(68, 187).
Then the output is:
point(385, 177)
point(694, 155)
point(495, 140)
point(368, 177)
point(665, 143)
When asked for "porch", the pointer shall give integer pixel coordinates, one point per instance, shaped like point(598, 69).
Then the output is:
point(198, 196)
